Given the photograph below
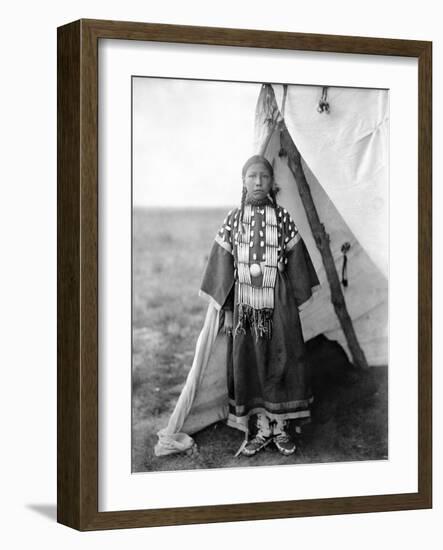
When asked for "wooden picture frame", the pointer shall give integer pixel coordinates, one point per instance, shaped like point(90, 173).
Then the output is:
point(77, 455)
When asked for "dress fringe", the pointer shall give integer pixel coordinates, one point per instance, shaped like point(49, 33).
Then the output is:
point(259, 320)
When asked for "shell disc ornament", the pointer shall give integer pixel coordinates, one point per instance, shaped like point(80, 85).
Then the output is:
point(255, 270)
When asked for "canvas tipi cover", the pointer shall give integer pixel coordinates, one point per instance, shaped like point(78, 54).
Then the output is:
point(345, 160)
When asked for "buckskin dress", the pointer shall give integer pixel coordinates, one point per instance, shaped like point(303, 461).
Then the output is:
point(261, 270)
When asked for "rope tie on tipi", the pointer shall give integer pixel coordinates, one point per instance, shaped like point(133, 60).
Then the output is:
point(323, 105)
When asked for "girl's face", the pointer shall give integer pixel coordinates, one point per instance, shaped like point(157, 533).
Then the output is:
point(258, 181)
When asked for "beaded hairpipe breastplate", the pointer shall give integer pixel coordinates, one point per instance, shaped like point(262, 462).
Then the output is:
point(256, 254)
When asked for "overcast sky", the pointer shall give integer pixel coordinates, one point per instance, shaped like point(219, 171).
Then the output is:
point(190, 141)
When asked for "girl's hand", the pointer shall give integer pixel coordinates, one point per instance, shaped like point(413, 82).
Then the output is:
point(227, 326)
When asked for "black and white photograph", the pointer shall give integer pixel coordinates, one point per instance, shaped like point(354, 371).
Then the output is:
point(260, 269)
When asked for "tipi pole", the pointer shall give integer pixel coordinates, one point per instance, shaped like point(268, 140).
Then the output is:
point(322, 241)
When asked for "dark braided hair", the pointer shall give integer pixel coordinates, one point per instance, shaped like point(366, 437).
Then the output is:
point(255, 159)
point(242, 211)
point(273, 194)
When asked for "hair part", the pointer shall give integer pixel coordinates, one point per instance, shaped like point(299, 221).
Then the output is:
point(257, 159)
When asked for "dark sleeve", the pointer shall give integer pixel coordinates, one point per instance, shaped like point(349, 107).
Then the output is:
point(299, 267)
point(218, 278)
point(301, 272)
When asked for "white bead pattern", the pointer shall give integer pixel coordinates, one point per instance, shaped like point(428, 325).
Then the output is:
point(258, 297)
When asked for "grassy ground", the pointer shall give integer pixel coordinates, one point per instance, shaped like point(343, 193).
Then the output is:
point(349, 419)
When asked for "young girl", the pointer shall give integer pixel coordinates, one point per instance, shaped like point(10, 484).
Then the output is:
point(259, 272)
